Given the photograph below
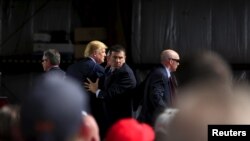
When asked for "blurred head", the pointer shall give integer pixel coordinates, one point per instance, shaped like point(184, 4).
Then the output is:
point(90, 129)
point(117, 56)
point(170, 59)
point(204, 66)
point(204, 105)
point(53, 111)
point(162, 123)
point(96, 50)
point(129, 129)
point(51, 57)
point(9, 121)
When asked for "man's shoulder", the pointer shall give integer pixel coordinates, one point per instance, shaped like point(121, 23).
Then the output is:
point(82, 62)
point(158, 68)
point(56, 70)
point(158, 71)
point(126, 68)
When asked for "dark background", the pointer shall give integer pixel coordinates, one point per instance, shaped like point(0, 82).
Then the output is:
point(144, 27)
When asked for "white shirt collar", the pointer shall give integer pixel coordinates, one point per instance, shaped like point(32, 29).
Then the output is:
point(92, 59)
point(169, 74)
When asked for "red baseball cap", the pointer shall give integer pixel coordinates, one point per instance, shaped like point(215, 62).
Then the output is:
point(129, 129)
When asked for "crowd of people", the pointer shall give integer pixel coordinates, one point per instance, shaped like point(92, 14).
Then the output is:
point(93, 99)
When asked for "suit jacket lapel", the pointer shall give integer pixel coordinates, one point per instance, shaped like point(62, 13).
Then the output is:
point(109, 77)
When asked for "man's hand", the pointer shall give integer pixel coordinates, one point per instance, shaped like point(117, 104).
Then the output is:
point(92, 86)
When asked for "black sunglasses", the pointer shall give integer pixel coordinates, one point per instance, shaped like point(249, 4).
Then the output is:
point(176, 60)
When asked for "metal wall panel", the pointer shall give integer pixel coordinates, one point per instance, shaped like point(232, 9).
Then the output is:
point(187, 25)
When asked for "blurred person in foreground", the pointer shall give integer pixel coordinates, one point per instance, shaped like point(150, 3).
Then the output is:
point(89, 67)
point(9, 122)
point(162, 122)
point(160, 87)
point(91, 129)
point(118, 84)
point(54, 112)
point(202, 67)
point(50, 61)
point(200, 105)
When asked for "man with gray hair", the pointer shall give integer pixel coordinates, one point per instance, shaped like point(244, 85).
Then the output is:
point(159, 87)
point(51, 61)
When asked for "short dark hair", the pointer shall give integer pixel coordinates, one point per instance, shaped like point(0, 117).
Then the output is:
point(117, 48)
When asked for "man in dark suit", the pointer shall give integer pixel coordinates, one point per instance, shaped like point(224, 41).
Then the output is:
point(51, 61)
point(119, 82)
point(89, 67)
point(159, 87)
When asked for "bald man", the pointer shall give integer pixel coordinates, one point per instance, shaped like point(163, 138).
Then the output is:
point(159, 89)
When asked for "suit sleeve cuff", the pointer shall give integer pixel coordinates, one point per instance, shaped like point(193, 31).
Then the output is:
point(98, 94)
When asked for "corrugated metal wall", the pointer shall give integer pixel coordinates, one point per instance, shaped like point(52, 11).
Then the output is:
point(186, 25)
point(21, 19)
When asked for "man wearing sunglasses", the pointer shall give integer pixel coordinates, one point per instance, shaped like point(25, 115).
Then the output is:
point(159, 87)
